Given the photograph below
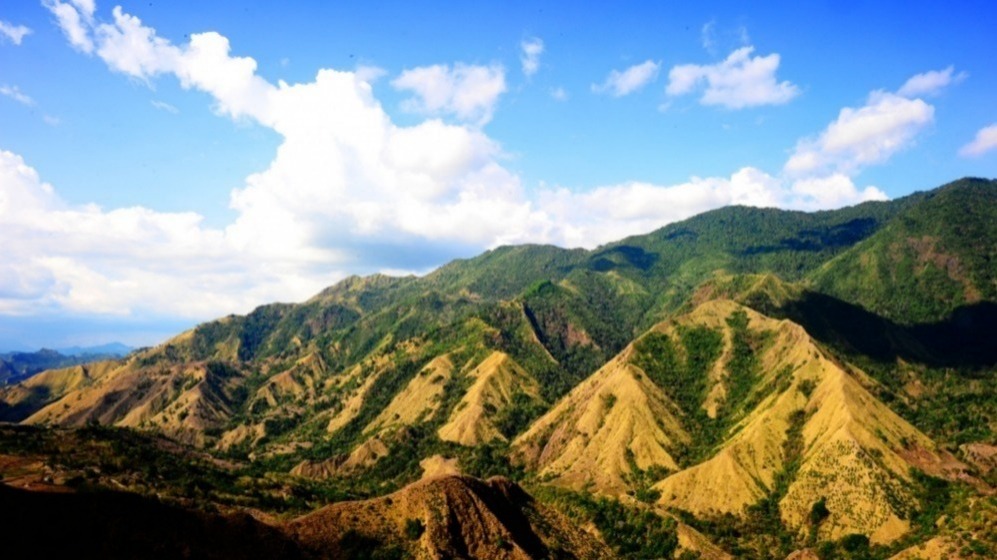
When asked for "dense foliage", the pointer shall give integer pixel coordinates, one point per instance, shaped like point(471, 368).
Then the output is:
point(632, 532)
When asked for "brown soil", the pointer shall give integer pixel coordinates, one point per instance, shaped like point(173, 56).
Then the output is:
point(448, 517)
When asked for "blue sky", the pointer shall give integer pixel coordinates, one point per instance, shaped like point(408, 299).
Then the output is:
point(162, 164)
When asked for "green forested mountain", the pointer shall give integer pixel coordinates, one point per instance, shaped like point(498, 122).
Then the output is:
point(937, 256)
point(832, 369)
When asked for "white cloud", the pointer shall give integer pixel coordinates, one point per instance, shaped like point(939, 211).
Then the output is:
point(164, 106)
point(931, 83)
point(133, 49)
point(985, 141)
point(559, 94)
point(86, 7)
point(84, 259)
point(51, 121)
point(821, 167)
point(16, 94)
point(871, 134)
point(348, 189)
point(13, 33)
point(738, 82)
point(831, 191)
point(467, 92)
point(619, 83)
point(529, 57)
point(609, 213)
point(74, 24)
point(708, 36)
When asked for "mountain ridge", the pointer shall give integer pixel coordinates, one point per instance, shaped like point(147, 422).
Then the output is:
point(717, 372)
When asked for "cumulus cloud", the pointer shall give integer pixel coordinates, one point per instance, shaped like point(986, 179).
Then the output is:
point(468, 92)
point(13, 33)
point(821, 166)
point(559, 94)
point(738, 82)
point(831, 191)
point(619, 83)
point(75, 259)
point(348, 189)
point(612, 212)
point(16, 94)
point(867, 135)
point(985, 140)
point(529, 57)
point(931, 83)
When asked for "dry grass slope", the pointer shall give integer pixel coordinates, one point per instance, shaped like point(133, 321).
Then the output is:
point(853, 446)
point(449, 517)
point(589, 439)
point(496, 380)
point(181, 401)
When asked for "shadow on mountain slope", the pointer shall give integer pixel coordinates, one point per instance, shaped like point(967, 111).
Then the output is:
point(964, 340)
point(121, 525)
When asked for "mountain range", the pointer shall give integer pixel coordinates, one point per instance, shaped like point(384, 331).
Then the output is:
point(745, 383)
point(19, 365)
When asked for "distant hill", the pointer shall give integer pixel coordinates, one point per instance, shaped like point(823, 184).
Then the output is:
point(109, 349)
point(18, 366)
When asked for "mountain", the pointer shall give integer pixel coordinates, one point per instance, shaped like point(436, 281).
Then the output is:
point(804, 420)
point(751, 381)
point(110, 349)
point(784, 417)
point(58, 476)
point(17, 366)
point(450, 516)
point(935, 258)
point(499, 383)
point(614, 424)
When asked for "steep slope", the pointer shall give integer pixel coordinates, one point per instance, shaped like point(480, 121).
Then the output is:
point(7, 373)
point(185, 402)
point(499, 384)
point(447, 517)
point(17, 366)
point(30, 395)
point(934, 257)
point(613, 423)
point(810, 431)
point(418, 401)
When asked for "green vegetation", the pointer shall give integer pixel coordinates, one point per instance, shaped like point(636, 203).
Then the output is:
point(523, 410)
point(682, 371)
point(355, 546)
point(414, 529)
point(632, 532)
point(935, 257)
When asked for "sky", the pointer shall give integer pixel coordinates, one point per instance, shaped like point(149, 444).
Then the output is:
point(166, 163)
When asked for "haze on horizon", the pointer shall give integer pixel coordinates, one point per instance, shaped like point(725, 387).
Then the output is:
point(164, 165)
